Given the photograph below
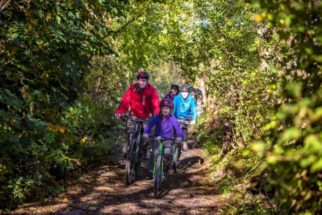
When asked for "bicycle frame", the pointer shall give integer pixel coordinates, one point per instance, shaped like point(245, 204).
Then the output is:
point(158, 167)
point(134, 148)
point(138, 131)
point(161, 149)
point(159, 163)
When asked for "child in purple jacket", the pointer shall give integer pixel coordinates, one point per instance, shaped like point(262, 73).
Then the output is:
point(167, 127)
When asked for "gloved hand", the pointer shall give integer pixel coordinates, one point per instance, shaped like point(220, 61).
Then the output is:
point(118, 116)
point(178, 140)
point(193, 122)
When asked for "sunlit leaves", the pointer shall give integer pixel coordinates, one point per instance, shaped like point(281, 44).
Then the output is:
point(296, 124)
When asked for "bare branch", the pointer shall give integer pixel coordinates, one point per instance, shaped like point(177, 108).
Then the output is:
point(4, 4)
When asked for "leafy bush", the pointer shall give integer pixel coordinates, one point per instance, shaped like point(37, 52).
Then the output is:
point(275, 110)
point(269, 96)
point(46, 130)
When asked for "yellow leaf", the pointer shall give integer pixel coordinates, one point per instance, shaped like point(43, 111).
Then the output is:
point(258, 18)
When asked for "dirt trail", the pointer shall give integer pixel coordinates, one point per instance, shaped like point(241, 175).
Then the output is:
point(102, 191)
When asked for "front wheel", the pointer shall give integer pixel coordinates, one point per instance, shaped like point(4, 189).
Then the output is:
point(130, 172)
point(130, 166)
point(158, 173)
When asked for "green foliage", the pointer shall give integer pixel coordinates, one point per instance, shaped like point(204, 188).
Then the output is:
point(46, 131)
point(247, 204)
point(275, 104)
point(164, 75)
point(265, 80)
point(293, 136)
point(65, 64)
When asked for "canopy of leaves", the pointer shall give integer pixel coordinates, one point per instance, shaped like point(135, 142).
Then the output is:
point(65, 64)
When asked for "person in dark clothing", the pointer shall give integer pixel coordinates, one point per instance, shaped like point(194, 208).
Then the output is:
point(173, 92)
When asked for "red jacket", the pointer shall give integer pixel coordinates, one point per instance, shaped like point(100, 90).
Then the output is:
point(141, 104)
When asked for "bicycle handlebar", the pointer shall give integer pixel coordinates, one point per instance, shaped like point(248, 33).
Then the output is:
point(186, 122)
point(159, 138)
point(139, 120)
point(125, 118)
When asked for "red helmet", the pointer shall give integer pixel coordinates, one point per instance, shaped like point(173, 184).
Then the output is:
point(142, 74)
point(166, 102)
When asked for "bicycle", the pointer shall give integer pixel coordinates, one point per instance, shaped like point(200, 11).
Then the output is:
point(184, 124)
point(161, 161)
point(134, 150)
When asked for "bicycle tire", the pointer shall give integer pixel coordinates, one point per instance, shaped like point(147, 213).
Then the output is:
point(157, 176)
point(130, 167)
point(138, 149)
point(138, 144)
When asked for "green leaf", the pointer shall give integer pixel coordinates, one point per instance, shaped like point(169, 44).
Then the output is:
point(317, 166)
point(290, 134)
point(308, 161)
point(313, 144)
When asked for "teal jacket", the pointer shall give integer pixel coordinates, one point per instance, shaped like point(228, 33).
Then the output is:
point(184, 108)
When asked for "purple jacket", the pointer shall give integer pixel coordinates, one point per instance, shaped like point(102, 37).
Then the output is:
point(170, 96)
point(166, 127)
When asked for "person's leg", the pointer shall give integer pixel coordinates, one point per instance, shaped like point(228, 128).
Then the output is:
point(168, 153)
point(185, 138)
point(178, 145)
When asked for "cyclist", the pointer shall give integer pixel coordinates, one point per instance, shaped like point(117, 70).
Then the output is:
point(185, 110)
point(142, 100)
point(174, 91)
point(168, 128)
point(197, 95)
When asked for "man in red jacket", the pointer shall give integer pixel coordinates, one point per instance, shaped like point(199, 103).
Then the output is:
point(141, 99)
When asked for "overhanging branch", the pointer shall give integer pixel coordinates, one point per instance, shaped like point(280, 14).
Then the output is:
point(122, 28)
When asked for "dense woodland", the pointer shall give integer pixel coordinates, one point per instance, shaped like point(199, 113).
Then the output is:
point(64, 66)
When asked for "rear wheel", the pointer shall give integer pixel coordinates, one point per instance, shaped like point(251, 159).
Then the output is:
point(157, 175)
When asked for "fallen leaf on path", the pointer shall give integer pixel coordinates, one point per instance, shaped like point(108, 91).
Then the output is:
point(65, 200)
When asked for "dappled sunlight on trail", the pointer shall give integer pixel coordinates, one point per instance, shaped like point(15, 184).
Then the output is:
point(102, 191)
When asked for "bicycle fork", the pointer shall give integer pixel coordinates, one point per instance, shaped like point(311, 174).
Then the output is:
point(161, 153)
point(138, 142)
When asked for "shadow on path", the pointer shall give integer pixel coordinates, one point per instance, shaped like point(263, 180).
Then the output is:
point(102, 191)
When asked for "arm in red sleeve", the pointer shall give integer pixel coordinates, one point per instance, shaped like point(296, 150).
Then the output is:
point(125, 103)
point(155, 102)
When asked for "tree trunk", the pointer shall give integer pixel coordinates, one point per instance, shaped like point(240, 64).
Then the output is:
point(202, 86)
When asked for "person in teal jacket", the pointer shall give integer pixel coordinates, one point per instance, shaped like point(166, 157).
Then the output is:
point(185, 110)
